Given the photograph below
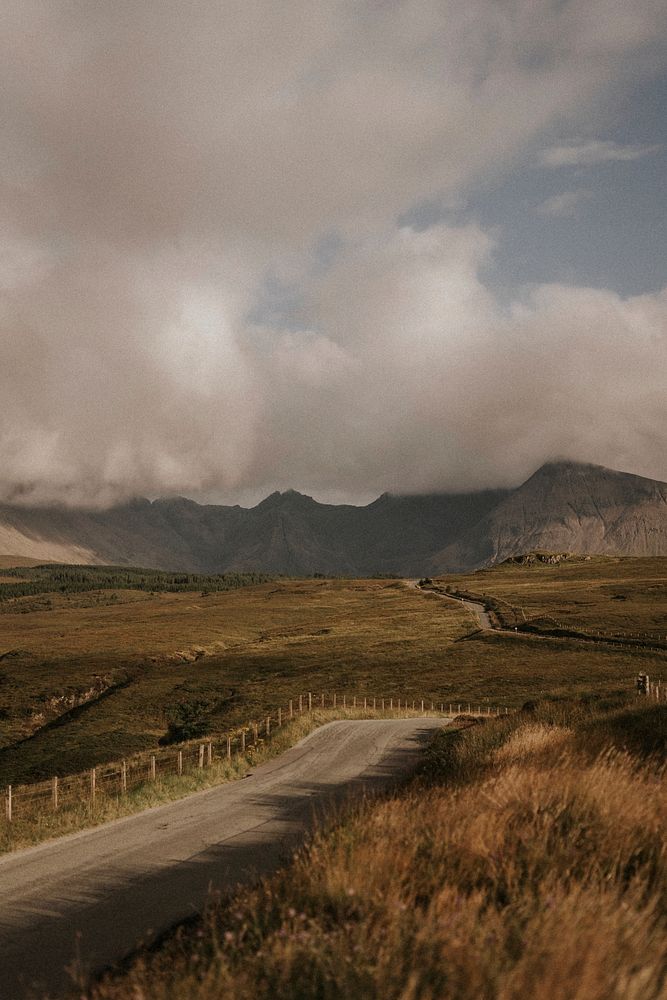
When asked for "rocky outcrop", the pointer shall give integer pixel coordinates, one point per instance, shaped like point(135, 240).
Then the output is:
point(583, 509)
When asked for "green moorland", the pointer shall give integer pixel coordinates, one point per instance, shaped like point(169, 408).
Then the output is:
point(88, 676)
point(527, 860)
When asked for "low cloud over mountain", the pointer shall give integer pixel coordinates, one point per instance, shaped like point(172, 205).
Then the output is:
point(563, 507)
point(242, 246)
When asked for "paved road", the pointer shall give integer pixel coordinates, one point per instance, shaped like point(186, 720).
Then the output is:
point(127, 881)
point(476, 609)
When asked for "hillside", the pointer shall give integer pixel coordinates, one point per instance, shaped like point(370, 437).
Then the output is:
point(564, 506)
point(286, 533)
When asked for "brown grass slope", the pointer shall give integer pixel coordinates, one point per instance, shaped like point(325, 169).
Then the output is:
point(220, 660)
point(618, 596)
point(528, 861)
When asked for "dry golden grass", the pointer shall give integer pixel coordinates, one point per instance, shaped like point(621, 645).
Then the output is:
point(235, 656)
point(622, 595)
point(535, 871)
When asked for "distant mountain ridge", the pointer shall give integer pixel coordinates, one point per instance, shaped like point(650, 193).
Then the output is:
point(564, 506)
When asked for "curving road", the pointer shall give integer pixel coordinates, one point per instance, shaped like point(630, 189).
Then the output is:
point(477, 610)
point(103, 891)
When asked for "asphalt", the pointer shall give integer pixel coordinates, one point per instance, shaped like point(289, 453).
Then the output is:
point(477, 610)
point(87, 900)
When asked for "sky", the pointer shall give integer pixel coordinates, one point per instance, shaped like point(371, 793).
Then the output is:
point(344, 246)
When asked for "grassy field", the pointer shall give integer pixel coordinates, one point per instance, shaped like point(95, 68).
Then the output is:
point(100, 675)
point(528, 860)
point(611, 594)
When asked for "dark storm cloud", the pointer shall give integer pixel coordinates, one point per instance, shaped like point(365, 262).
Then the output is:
point(164, 163)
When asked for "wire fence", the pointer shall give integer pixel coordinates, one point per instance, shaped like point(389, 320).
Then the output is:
point(118, 777)
point(512, 617)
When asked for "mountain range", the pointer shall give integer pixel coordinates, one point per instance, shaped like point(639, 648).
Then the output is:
point(564, 506)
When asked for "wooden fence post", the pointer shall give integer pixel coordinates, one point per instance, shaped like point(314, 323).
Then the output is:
point(180, 762)
point(209, 760)
point(291, 709)
point(280, 717)
point(54, 793)
point(243, 741)
point(422, 706)
point(399, 704)
point(153, 767)
point(322, 699)
point(364, 704)
point(268, 725)
point(459, 710)
point(300, 704)
point(373, 704)
point(8, 804)
point(93, 783)
point(334, 700)
point(255, 732)
point(310, 701)
point(344, 701)
point(123, 777)
point(391, 704)
point(229, 748)
point(201, 755)
point(354, 701)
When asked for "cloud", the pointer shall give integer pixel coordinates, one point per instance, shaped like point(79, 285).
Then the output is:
point(424, 381)
point(589, 154)
point(564, 204)
point(163, 164)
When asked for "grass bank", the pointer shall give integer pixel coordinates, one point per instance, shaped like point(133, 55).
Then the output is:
point(528, 859)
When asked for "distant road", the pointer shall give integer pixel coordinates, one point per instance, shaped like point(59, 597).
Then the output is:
point(104, 890)
point(476, 609)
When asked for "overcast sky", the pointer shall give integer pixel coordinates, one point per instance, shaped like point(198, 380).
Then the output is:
point(344, 246)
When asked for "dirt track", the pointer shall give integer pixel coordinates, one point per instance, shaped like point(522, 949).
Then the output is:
point(104, 890)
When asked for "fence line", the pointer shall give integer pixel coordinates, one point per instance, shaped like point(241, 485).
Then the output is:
point(118, 777)
point(625, 639)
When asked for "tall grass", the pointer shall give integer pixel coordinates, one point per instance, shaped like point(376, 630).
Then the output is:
point(526, 861)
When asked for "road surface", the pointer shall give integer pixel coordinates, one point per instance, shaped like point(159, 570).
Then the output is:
point(477, 610)
point(105, 890)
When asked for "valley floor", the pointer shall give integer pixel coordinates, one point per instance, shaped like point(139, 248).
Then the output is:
point(528, 858)
point(99, 676)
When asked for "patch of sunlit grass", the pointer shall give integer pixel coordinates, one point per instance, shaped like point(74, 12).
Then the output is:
point(541, 871)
